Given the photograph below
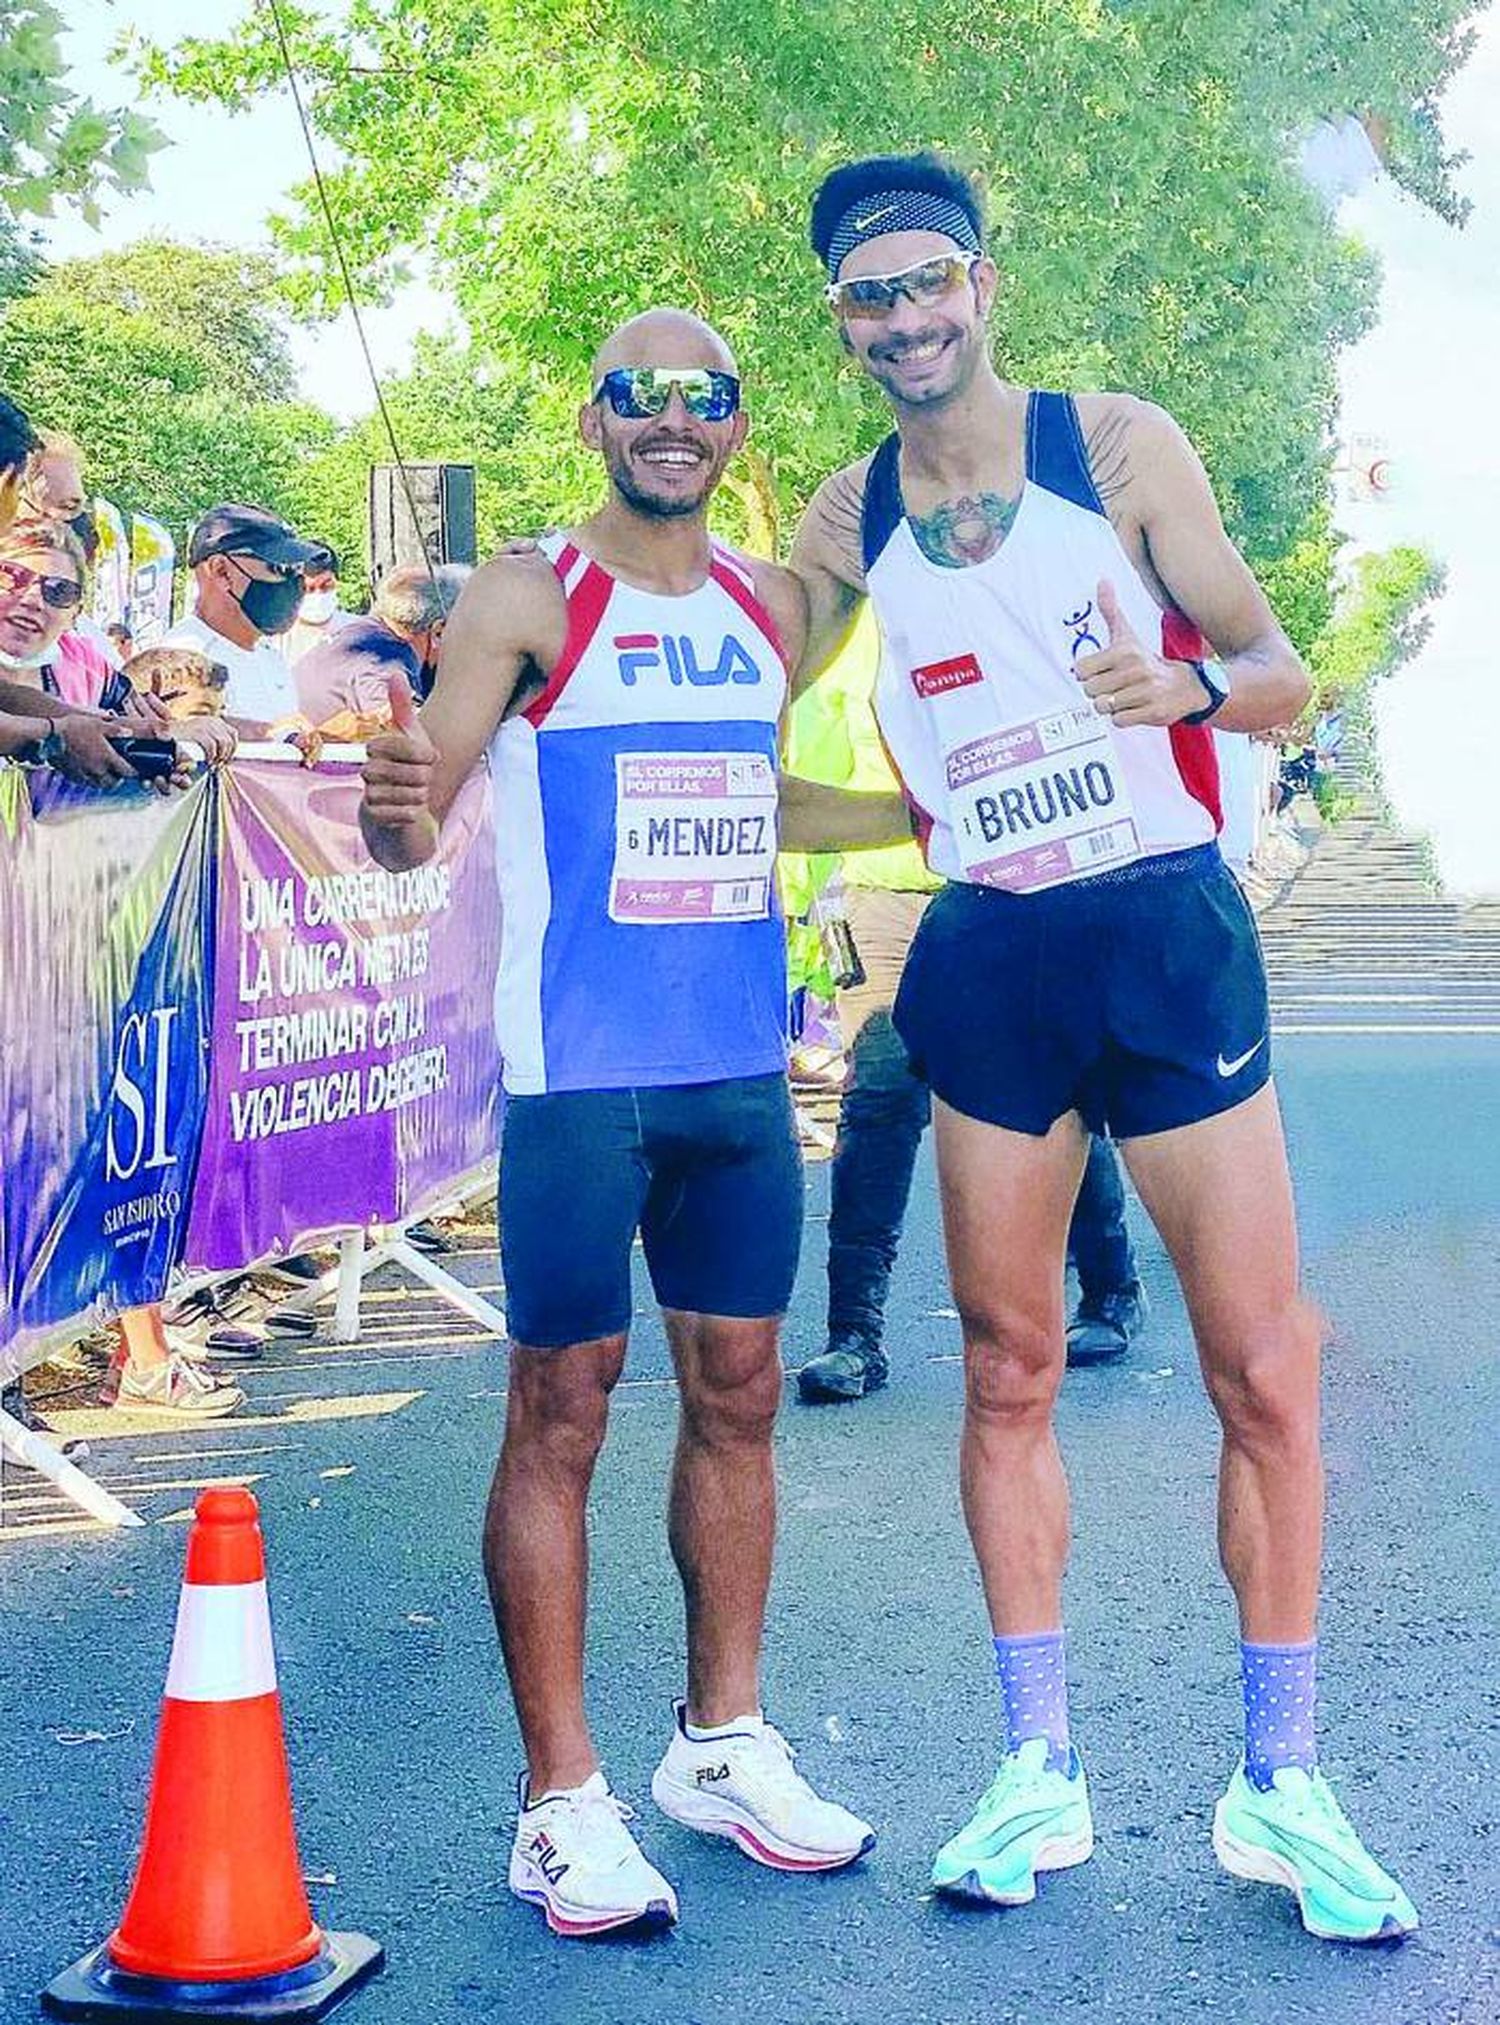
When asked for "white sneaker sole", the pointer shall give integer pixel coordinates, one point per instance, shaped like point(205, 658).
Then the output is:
point(207, 1409)
point(712, 1815)
point(1063, 1852)
point(572, 1923)
point(1263, 1866)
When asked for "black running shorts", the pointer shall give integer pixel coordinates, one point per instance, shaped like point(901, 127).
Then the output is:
point(710, 1174)
point(1137, 998)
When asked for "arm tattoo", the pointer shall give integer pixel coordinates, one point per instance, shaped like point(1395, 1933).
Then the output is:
point(962, 531)
point(1109, 456)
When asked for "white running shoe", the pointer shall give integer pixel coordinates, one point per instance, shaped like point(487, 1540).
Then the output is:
point(575, 1858)
point(742, 1783)
point(177, 1386)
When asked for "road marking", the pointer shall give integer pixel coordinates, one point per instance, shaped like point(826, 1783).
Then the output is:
point(1381, 998)
point(1431, 1030)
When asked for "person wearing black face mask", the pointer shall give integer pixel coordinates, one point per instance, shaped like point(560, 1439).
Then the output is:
point(247, 568)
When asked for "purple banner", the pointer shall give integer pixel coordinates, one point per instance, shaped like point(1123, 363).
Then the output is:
point(355, 1068)
point(106, 915)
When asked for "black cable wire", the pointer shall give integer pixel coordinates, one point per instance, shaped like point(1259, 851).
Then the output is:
point(274, 9)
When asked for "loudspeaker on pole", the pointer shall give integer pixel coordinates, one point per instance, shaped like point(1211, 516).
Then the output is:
point(443, 496)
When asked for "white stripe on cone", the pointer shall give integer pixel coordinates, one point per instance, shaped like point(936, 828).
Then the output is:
point(221, 1651)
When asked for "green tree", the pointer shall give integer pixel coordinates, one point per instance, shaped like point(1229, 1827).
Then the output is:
point(220, 304)
point(54, 145)
point(561, 163)
point(1379, 622)
point(155, 360)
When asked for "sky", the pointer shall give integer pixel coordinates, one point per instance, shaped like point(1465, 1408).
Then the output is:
point(1423, 384)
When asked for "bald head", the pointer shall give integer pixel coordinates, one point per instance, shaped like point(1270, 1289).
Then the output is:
point(664, 337)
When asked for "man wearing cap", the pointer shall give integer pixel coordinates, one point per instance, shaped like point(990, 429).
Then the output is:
point(247, 566)
point(1051, 576)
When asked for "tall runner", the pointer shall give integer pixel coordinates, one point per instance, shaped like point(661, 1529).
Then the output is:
point(1045, 571)
point(628, 683)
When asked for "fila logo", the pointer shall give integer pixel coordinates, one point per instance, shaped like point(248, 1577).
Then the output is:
point(936, 678)
point(710, 1775)
point(641, 654)
point(548, 1862)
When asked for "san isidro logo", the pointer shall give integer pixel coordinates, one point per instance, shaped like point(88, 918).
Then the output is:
point(138, 1139)
point(640, 656)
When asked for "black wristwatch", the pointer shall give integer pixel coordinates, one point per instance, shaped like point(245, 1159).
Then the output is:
point(44, 751)
point(1217, 696)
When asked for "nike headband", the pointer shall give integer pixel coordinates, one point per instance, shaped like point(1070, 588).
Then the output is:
point(899, 211)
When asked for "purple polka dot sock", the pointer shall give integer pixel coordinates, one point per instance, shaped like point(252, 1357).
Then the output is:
point(1034, 1692)
point(1280, 1683)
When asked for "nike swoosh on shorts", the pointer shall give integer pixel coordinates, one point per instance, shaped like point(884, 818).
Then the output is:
point(1233, 1068)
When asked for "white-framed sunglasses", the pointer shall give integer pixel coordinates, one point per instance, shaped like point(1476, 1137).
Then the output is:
point(924, 283)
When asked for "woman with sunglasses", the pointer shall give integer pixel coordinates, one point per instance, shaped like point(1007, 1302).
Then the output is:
point(42, 584)
point(41, 590)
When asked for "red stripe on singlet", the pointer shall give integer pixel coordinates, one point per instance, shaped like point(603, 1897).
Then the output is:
point(1192, 744)
point(586, 604)
point(726, 575)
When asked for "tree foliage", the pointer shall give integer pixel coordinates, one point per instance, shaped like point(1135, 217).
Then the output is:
point(562, 163)
point(1379, 622)
point(168, 364)
point(54, 145)
point(221, 304)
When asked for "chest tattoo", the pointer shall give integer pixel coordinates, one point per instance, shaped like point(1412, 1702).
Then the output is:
point(962, 531)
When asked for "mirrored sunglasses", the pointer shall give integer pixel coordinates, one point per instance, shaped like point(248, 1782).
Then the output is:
point(636, 392)
point(872, 295)
point(61, 593)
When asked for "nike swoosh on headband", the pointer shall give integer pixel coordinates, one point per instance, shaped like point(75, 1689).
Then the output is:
point(1233, 1068)
point(873, 218)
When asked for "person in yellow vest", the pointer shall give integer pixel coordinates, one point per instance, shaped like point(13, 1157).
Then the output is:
point(885, 1109)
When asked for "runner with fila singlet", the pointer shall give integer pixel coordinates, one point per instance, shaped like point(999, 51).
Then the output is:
point(1041, 568)
point(628, 682)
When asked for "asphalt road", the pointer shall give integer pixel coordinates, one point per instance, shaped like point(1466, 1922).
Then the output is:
point(403, 1748)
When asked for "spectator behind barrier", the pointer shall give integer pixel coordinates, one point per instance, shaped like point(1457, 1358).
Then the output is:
point(185, 682)
point(42, 581)
point(86, 657)
point(320, 615)
point(54, 478)
point(17, 441)
point(343, 685)
point(247, 568)
point(122, 640)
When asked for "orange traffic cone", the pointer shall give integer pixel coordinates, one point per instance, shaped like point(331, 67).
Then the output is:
point(217, 1924)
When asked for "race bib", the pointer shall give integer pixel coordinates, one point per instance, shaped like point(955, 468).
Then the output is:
point(695, 837)
point(1041, 802)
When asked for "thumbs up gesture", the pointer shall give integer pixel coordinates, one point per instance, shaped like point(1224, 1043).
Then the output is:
point(1129, 684)
point(398, 770)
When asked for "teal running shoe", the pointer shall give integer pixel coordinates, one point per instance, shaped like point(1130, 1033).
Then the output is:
point(1297, 1835)
point(1031, 1819)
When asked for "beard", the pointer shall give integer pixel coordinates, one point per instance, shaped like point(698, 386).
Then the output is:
point(960, 363)
point(669, 502)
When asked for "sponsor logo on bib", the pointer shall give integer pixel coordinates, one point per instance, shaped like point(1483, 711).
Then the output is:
point(641, 655)
point(937, 678)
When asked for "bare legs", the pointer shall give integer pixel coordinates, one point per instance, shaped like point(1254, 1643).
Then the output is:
point(722, 1525)
point(1220, 1195)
